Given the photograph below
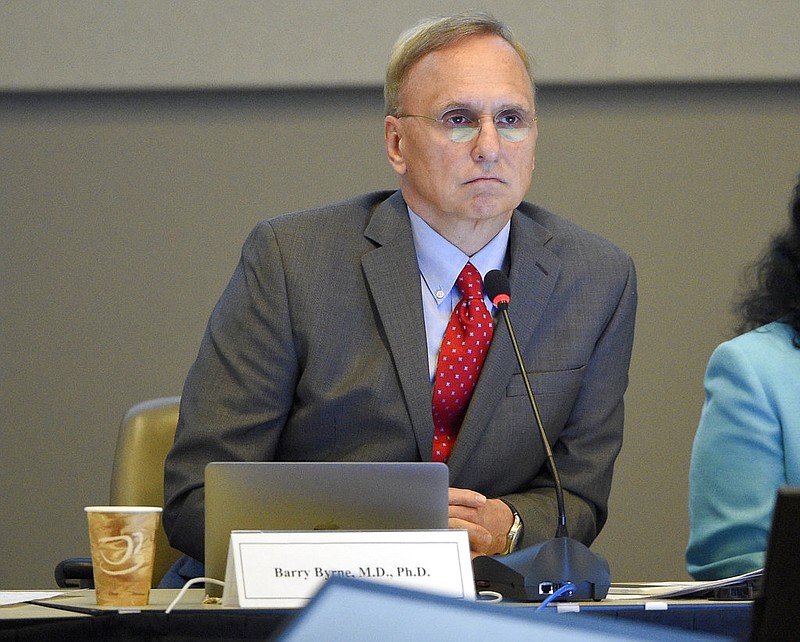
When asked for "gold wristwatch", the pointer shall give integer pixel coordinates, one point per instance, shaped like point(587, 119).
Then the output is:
point(515, 532)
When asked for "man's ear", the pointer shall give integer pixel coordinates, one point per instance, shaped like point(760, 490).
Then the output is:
point(394, 144)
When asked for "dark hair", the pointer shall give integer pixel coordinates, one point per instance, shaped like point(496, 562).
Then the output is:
point(775, 295)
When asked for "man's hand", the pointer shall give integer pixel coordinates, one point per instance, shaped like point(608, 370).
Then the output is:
point(487, 520)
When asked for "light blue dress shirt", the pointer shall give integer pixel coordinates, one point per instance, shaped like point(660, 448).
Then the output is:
point(440, 263)
point(746, 447)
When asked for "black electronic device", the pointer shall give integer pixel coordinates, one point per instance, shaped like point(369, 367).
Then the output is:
point(535, 573)
point(776, 605)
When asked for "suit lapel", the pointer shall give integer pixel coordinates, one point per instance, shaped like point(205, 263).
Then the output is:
point(392, 274)
point(533, 272)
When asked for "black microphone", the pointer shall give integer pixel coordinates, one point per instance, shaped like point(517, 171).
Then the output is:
point(537, 572)
point(497, 288)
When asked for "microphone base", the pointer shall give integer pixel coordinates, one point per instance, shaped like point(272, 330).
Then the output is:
point(533, 574)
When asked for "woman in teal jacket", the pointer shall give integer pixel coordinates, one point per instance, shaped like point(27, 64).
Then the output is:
point(748, 441)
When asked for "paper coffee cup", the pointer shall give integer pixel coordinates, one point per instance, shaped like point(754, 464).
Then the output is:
point(123, 545)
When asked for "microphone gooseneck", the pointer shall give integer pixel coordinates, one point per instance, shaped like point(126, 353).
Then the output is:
point(544, 570)
point(497, 288)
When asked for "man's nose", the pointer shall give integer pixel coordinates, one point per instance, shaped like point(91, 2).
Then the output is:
point(487, 142)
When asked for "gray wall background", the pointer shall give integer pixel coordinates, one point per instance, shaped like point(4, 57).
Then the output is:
point(122, 214)
point(146, 44)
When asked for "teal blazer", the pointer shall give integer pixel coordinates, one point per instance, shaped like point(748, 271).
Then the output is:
point(747, 446)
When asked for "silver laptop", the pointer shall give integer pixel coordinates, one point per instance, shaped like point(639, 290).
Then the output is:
point(318, 496)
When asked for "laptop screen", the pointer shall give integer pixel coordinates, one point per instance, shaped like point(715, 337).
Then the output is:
point(360, 611)
point(318, 496)
point(775, 609)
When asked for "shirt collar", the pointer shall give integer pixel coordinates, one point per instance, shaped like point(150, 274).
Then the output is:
point(440, 262)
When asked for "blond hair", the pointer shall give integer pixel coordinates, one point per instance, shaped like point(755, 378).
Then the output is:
point(436, 33)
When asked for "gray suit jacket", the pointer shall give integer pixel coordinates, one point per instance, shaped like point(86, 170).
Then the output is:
point(316, 351)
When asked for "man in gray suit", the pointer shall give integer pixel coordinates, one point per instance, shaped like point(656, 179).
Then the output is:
point(325, 344)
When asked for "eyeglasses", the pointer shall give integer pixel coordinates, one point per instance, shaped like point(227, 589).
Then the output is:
point(462, 125)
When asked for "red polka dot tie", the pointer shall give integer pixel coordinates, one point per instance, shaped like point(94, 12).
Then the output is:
point(461, 356)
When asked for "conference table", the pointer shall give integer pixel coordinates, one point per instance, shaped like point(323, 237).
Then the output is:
point(74, 615)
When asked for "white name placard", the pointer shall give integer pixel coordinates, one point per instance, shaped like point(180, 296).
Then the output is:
point(284, 569)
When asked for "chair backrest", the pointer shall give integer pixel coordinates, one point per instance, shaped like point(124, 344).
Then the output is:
point(137, 479)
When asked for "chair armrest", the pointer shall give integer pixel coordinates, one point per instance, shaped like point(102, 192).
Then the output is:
point(74, 572)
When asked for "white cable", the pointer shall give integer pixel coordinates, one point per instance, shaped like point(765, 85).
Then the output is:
point(496, 597)
point(187, 586)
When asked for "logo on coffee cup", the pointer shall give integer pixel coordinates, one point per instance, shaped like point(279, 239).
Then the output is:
point(121, 554)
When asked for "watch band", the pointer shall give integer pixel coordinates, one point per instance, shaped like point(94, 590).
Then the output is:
point(514, 532)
